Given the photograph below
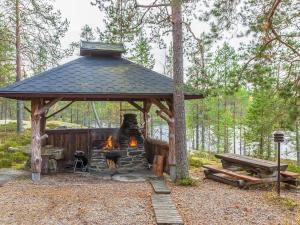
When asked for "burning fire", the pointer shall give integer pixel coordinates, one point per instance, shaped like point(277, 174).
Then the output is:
point(132, 142)
point(109, 143)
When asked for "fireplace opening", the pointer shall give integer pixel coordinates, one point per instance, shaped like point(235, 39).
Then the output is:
point(121, 148)
point(132, 142)
point(109, 143)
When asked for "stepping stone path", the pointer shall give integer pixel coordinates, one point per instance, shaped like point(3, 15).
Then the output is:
point(164, 209)
point(159, 187)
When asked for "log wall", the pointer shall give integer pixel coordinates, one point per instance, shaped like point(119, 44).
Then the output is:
point(82, 139)
point(157, 147)
point(77, 139)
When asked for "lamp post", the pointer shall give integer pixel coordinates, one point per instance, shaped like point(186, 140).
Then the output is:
point(278, 137)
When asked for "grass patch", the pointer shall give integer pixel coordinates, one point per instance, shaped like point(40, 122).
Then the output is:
point(186, 181)
point(199, 158)
point(9, 127)
point(292, 166)
point(54, 124)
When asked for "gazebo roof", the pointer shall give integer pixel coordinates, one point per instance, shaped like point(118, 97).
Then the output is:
point(95, 77)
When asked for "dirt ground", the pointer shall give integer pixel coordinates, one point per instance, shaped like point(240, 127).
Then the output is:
point(85, 199)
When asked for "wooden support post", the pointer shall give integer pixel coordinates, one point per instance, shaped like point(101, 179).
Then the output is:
point(169, 118)
point(36, 159)
point(146, 109)
point(172, 155)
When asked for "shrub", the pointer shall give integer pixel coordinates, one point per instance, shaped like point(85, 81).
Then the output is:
point(186, 181)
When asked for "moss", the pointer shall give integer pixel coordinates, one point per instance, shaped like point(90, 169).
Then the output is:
point(186, 181)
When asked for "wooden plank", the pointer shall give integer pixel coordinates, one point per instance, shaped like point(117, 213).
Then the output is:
point(233, 174)
point(289, 174)
point(165, 210)
point(224, 179)
point(160, 187)
point(249, 161)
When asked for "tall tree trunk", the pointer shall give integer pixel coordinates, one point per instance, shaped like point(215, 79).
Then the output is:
point(18, 67)
point(218, 125)
point(203, 130)
point(297, 143)
point(234, 121)
point(225, 125)
point(240, 139)
point(197, 126)
point(178, 94)
point(96, 115)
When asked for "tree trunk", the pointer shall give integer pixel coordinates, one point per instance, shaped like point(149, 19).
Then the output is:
point(297, 143)
point(234, 118)
point(203, 131)
point(197, 126)
point(178, 94)
point(218, 126)
point(36, 159)
point(96, 115)
point(18, 67)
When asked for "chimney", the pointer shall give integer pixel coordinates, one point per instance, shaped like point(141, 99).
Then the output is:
point(88, 48)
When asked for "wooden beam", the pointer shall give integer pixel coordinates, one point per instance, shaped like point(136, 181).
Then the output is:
point(28, 110)
point(46, 106)
point(136, 106)
point(162, 107)
point(63, 108)
point(164, 117)
point(147, 106)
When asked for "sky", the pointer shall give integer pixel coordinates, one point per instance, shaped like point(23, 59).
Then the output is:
point(81, 12)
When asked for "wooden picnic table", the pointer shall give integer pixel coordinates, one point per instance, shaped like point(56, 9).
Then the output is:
point(249, 163)
point(239, 170)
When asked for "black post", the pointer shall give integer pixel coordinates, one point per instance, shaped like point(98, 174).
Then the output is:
point(278, 169)
point(278, 137)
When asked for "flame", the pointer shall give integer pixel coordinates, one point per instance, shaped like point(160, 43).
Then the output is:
point(109, 143)
point(132, 142)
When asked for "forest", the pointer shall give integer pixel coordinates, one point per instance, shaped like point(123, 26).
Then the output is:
point(245, 62)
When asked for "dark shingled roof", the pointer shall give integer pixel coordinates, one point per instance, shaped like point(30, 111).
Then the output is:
point(89, 78)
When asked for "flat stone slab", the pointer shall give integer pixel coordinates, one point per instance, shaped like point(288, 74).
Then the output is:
point(159, 186)
point(165, 211)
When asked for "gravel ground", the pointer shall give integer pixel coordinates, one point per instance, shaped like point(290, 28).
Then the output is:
point(213, 203)
point(84, 199)
point(75, 199)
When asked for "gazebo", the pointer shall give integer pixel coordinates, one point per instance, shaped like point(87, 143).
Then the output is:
point(100, 74)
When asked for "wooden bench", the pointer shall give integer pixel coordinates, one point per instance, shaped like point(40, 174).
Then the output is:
point(289, 174)
point(234, 174)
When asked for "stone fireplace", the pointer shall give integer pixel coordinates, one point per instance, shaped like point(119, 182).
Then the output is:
point(119, 148)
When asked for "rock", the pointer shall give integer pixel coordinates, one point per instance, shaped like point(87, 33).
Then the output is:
point(12, 149)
